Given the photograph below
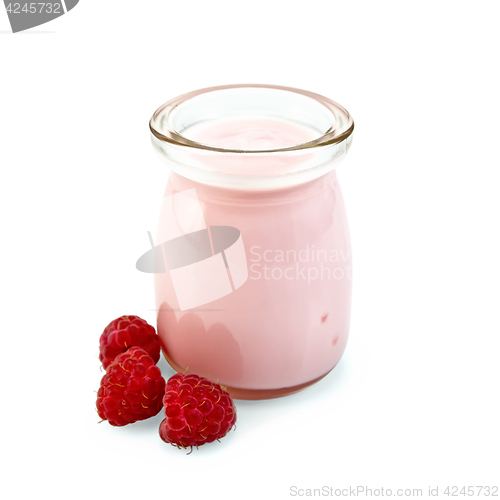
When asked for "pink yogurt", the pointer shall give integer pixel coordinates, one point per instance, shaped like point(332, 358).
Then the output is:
point(284, 322)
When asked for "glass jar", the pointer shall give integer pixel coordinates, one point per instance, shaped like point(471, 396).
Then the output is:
point(252, 258)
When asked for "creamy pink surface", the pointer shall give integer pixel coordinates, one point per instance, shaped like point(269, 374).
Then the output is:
point(250, 134)
point(287, 324)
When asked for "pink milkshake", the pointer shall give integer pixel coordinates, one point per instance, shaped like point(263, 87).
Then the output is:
point(256, 286)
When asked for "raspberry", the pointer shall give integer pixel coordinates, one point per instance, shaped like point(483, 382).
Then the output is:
point(125, 332)
point(131, 390)
point(197, 411)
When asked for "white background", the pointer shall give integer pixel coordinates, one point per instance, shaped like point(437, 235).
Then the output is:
point(415, 400)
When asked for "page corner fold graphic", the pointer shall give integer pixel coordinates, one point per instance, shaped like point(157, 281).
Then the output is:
point(204, 263)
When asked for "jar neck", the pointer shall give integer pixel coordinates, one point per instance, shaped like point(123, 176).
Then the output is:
point(231, 196)
point(252, 172)
point(251, 137)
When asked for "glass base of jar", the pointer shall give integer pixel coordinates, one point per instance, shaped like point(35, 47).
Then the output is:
point(255, 394)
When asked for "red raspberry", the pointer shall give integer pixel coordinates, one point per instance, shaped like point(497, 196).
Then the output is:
point(131, 390)
point(125, 332)
point(197, 410)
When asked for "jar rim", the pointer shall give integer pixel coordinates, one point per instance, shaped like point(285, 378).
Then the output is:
point(341, 126)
